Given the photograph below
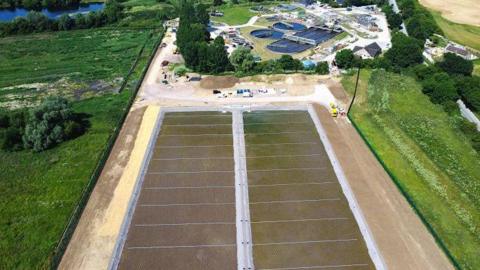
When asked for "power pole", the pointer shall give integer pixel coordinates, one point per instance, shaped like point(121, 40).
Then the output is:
point(355, 92)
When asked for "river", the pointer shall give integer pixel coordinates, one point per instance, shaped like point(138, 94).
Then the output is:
point(7, 15)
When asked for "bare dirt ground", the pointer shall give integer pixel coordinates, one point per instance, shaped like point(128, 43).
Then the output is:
point(297, 218)
point(459, 11)
point(401, 237)
point(180, 226)
point(94, 238)
point(218, 82)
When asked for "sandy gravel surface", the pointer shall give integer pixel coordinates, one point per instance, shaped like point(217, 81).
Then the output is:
point(92, 244)
point(401, 237)
point(459, 11)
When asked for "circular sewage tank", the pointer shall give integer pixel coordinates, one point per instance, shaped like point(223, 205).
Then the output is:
point(266, 33)
point(291, 26)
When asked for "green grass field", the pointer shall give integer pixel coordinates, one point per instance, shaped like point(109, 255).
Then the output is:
point(432, 160)
point(40, 190)
point(235, 14)
point(464, 34)
point(67, 63)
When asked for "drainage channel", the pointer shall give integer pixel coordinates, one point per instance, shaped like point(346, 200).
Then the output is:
point(244, 232)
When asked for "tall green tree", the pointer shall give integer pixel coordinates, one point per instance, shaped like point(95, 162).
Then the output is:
point(454, 64)
point(345, 59)
point(405, 51)
point(440, 88)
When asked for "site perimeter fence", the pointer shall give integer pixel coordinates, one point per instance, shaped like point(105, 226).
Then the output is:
point(405, 194)
point(77, 213)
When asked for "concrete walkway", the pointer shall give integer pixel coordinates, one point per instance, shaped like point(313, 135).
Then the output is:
point(244, 231)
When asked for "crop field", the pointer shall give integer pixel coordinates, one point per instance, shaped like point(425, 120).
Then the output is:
point(432, 161)
point(185, 214)
point(40, 190)
point(468, 35)
point(300, 218)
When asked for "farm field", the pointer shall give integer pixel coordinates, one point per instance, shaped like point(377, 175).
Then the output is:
point(297, 207)
point(468, 35)
point(185, 214)
point(40, 190)
point(432, 162)
point(463, 11)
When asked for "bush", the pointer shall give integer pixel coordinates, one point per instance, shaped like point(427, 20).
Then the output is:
point(242, 60)
point(470, 130)
point(287, 63)
point(405, 52)
point(49, 124)
point(440, 88)
point(11, 139)
point(469, 89)
point(454, 64)
point(322, 68)
point(345, 59)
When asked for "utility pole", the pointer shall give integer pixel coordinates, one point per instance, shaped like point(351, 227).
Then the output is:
point(355, 92)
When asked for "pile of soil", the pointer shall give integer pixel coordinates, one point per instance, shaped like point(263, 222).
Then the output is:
point(215, 82)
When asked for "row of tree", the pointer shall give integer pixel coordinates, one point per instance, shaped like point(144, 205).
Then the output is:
point(193, 40)
point(36, 22)
point(39, 4)
point(244, 63)
point(42, 127)
point(418, 20)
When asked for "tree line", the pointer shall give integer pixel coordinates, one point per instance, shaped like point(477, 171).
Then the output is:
point(36, 22)
point(201, 54)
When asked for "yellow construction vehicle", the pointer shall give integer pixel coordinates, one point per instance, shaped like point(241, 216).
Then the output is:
point(333, 109)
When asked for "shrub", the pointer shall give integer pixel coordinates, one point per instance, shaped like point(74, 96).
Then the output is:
point(454, 64)
point(49, 124)
point(322, 68)
point(405, 52)
point(287, 62)
point(345, 59)
point(440, 88)
point(469, 89)
point(11, 139)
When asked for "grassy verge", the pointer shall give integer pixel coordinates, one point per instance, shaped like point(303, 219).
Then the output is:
point(432, 162)
point(39, 191)
point(464, 34)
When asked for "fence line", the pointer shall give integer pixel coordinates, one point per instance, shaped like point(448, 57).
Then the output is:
point(75, 217)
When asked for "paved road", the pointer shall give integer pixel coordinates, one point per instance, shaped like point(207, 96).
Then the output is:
point(397, 10)
point(467, 114)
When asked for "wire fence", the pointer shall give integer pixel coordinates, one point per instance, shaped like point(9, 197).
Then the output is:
point(75, 217)
point(405, 193)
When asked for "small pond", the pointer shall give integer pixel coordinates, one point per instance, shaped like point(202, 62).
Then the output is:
point(7, 15)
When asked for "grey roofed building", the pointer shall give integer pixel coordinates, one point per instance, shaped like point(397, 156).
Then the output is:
point(460, 51)
point(370, 51)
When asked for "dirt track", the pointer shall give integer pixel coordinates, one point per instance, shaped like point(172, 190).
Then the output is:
point(401, 237)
